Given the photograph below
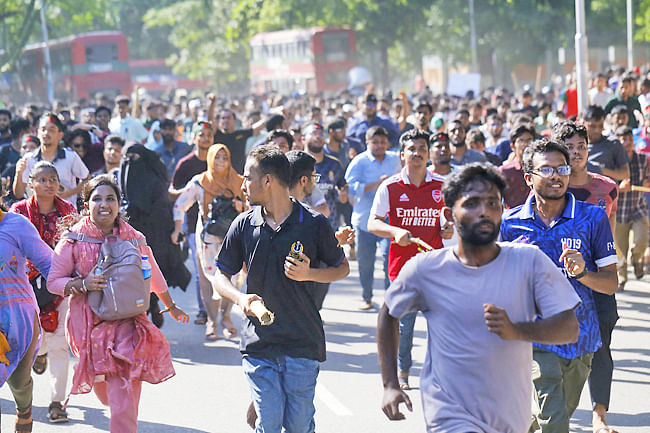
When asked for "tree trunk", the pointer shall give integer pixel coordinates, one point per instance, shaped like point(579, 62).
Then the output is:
point(384, 79)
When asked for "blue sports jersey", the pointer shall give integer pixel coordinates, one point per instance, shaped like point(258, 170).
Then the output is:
point(583, 227)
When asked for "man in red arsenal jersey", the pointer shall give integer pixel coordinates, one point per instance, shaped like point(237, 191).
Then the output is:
point(412, 200)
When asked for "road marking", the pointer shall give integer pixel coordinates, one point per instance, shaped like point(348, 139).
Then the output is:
point(324, 395)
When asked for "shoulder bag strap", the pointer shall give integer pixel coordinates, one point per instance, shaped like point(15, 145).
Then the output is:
point(80, 237)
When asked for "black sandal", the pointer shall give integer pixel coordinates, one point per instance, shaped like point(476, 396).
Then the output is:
point(40, 364)
point(56, 413)
point(24, 427)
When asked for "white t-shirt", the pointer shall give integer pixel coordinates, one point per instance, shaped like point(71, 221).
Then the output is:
point(129, 129)
point(472, 379)
point(68, 165)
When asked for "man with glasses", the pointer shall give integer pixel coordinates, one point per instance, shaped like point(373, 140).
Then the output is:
point(360, 125)
point(578, 239)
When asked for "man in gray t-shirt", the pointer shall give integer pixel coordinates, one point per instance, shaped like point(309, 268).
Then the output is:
point(485, 303)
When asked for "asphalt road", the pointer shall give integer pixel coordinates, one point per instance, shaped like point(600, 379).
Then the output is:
point(209, 392)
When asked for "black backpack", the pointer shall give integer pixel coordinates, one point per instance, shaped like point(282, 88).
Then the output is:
point(221, 213)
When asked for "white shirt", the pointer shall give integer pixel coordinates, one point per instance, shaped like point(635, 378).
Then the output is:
point(68, 165)
point(129, 129)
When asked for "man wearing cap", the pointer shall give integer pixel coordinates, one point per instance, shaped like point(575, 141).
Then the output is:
point(360, 125)
point(124, 125)
point(73, 173)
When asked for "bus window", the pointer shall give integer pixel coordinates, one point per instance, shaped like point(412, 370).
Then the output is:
point(62, 60)
point(335, 46)
point(101, 53)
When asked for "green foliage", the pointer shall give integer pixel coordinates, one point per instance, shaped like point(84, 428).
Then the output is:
point(18, 22)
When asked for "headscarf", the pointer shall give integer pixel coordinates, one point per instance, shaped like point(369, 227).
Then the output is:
point(144, 178)
point(214, 183)
point(151, 140)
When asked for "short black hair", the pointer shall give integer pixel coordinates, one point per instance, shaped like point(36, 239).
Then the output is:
point(50, 117)
point(167, 124)
point(280, 133)
point(425, 104)
point(543, 145)
point(114, 139)
point(274, 122)
point(412, 135)
point(567, 129)
point(302, 164)
point(520, 129)
point(103, 108)
point(85, 135)
point(461, 112)
point(593, 112)
point(17, 126)
point(5, 112)
point(460, 179)
point(271, 160)
point(376, 131)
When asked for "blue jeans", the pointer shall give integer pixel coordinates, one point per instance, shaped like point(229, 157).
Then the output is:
point(366, 252)
point(283, 393)
point(191, 239)
point(406, 324)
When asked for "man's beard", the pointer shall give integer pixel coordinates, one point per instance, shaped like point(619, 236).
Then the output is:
point(4, 131)
point(472, 236)
point(314, 147)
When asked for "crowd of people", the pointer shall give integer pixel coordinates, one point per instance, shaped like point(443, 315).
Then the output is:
point(271, 196)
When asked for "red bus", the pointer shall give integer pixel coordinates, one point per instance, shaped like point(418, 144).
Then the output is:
point(156, 77)
point(82, 65)
point(304, 60)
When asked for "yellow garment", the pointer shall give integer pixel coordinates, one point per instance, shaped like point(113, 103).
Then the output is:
point(4, 348)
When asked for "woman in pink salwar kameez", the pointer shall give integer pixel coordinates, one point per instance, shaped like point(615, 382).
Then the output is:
point(114, 356)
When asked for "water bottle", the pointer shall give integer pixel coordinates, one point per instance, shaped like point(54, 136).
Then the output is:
point(146, 268)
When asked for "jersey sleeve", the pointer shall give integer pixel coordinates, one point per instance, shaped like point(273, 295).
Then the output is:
point(602, 241)
point(231, 254)
point(381, 203)
point(402, 296)
point(552, 291)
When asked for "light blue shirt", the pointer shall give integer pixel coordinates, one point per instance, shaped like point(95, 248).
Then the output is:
point(365, 169)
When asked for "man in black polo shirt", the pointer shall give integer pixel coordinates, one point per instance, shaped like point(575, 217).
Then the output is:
point(281, 360)
point(235, 140)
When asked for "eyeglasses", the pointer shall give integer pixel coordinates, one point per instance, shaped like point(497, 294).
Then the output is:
point(77, 145)
point(316, 177)
point(563, 170)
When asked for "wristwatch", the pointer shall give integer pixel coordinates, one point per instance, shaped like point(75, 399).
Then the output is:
point(581, 274)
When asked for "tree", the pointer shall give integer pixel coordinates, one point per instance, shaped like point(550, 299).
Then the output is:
point(18, 19)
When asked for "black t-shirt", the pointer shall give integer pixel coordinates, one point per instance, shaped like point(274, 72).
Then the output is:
point(8, 156)
point(188, 167)
point(298, 328)
point(236, 143)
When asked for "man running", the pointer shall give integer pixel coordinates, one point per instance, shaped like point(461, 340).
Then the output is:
point(484, 303)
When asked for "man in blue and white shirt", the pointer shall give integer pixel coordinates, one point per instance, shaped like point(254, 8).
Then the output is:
point(364, 175)
point(578, 238)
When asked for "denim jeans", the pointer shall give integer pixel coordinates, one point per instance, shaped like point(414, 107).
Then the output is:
point(366, 252)
point(282, 390)
point(191, 239)
point(406, 324)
